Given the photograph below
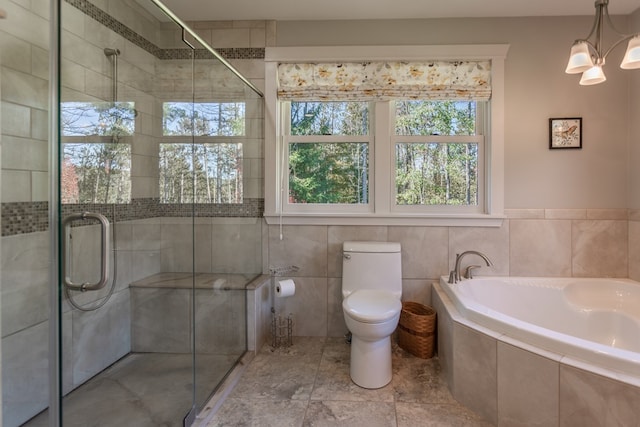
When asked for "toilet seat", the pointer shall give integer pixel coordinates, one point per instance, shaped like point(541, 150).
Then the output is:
point(372, 306)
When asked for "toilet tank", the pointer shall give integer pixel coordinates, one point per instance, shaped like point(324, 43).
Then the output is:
point(371, 265)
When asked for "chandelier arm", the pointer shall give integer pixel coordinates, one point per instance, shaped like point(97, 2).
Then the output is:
point(593, 27)
point(622, 40)
point(593, 48)
point(613, 27)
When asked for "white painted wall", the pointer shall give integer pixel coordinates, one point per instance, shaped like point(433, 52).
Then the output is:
point(536, 89)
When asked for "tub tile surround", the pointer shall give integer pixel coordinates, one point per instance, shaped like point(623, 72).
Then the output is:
point(594, 255)
point(535, 402)
point(634, 249)
point(555, 392)
point(540, 247)
point(589, 399)
point(474, 380)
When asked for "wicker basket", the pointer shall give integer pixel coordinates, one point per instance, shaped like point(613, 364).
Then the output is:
point(416, 330)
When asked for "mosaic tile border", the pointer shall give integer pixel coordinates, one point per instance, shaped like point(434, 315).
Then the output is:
point(30, 217)
point(227, 53)
point(24, 217)
point(118, 27)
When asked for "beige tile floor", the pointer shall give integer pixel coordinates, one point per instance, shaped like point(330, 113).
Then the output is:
point(308, 384)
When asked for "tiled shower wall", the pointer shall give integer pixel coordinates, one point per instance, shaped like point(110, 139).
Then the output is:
point(24, 45)
point(151, 237)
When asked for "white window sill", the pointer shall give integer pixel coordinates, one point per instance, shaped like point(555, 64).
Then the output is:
point(399, 220)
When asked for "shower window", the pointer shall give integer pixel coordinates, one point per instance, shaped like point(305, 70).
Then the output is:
point(210, 169)
point(97, 118)
point(96, 148)
point(96, 173)
point(201, 173)
point(204, 118)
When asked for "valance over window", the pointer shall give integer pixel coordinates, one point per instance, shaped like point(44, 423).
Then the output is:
point(370, 81)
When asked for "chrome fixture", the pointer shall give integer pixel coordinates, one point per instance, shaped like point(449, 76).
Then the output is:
point(111, 52)
point(468, 272)
point(104, 253)
point(454, 275)
point(588, 57)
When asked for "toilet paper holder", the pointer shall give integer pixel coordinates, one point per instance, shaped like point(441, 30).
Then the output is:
point(281, 326)
point(282, 271)
point(281, 330)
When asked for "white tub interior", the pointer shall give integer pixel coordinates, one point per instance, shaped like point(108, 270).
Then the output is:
point(596, 321)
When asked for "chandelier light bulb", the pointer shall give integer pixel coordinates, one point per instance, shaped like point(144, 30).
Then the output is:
point(593, 76)
point(579, 59)
point(631, 59)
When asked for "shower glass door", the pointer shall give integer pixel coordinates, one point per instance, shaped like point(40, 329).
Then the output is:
point(130, 231)
point(127, 274)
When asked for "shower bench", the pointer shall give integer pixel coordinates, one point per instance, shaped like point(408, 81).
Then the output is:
point(225, 305)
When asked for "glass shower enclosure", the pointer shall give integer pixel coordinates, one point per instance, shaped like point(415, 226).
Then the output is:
point(129, 232)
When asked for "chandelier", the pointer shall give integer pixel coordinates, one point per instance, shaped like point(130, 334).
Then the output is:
point(588, 57)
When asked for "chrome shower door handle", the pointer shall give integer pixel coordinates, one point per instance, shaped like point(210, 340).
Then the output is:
point(104, 257)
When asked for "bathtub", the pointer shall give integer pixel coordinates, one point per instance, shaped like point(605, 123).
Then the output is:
point(541, 351)
point(593, 320)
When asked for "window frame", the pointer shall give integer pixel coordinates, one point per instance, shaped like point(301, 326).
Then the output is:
point(104, 140)
point(478, 138)
point(382, 178)
point(328, 208)
point(201, 140)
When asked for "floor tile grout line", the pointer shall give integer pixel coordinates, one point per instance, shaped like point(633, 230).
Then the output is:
point(315, 378)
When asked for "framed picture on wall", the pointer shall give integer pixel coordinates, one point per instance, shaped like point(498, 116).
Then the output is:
point(565, 132)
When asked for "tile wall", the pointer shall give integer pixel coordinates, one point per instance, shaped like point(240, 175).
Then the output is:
point(151, 237)
point(634, 244)
point(511, 384)
point(535, 242)
point(532, 242)
point(24, 260)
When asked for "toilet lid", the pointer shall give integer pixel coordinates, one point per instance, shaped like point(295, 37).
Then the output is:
point(372, 306)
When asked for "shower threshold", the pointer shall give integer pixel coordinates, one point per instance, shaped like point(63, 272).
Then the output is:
point(142, 389)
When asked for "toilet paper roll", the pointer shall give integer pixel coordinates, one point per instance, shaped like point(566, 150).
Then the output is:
point(285, 288)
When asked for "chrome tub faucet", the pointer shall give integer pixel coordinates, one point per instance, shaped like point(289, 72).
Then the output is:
point(454, 275)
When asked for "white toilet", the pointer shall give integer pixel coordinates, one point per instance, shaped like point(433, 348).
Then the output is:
point(371, 291)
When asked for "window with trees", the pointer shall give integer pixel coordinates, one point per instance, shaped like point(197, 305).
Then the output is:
point(438, 147)
point(199, 160)
point(434, 143)
point(96, 150)
point(328, 146)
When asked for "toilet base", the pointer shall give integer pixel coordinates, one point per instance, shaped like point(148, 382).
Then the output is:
point(371, 362)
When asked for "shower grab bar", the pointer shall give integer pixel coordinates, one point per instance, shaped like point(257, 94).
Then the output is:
point(104, 258)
